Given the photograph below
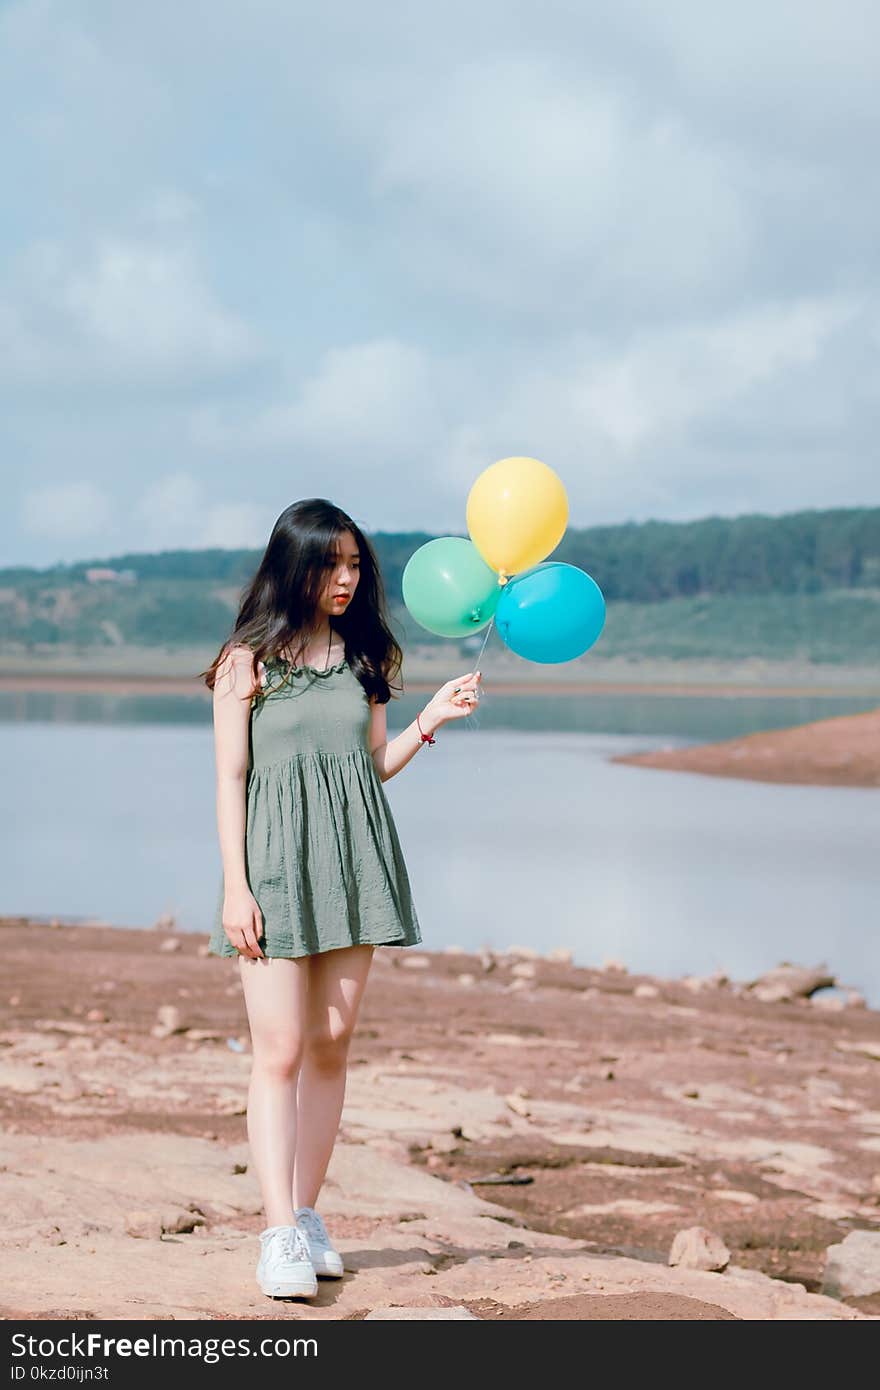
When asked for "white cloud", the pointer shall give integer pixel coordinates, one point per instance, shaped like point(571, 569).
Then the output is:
point(229, 525)
point(66, 511)
point(628, 239)
point(365, 398)
point(132, 312)
point(667, 379)
point(179, 510)
point(545, 193)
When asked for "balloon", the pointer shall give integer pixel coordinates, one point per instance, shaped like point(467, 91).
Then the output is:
point(448, 588)
point(553, 612)
point(517, 512)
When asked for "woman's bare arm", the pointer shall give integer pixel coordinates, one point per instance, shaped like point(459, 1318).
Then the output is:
point(454, 700)
point(234, 689)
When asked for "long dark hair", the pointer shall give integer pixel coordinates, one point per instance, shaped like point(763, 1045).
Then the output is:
point(280, 603)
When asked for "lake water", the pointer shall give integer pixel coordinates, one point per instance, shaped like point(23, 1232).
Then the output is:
point(516, 829)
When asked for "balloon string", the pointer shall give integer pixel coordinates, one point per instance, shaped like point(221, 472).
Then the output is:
point(476, 665)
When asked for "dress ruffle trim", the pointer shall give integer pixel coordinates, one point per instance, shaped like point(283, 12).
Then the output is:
point(297, 672)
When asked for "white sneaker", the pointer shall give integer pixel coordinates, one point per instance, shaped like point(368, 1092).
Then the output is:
point(325, 1260)
point(285, 1269)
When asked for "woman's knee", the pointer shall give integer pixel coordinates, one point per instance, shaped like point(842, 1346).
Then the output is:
point(327, 1047)
point(279, 1054)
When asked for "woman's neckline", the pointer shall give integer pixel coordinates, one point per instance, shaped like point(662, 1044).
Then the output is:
point(316, 670)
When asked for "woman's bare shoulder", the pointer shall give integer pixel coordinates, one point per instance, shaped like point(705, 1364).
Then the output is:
point(237, 664)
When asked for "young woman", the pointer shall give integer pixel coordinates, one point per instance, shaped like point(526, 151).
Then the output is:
point(313, 874)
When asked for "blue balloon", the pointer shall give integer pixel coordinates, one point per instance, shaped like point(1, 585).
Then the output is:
point(552, 612)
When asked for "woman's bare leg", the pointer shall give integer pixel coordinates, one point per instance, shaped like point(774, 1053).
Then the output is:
point(336, 987)
point(275, 997)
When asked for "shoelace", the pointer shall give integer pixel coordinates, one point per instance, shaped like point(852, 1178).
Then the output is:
point(312, 1223)
point(293, 1244)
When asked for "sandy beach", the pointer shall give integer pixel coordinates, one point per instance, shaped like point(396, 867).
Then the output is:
point(839, 752)
point(521, 1138)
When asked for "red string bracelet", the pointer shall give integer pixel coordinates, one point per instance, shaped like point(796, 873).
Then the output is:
point(425, 738)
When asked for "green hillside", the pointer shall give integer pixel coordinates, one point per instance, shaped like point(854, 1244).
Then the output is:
point(806, 585)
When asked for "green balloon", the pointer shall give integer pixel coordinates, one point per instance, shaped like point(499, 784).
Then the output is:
point(448, 587)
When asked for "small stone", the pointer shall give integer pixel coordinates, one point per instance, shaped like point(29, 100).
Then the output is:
point(854, 999)
point(170, 1020)
point(523, 952)
point(164, 923)
point(646, 991)
point(611, 966)
point(466, 979)
point(14, 1001)
point(444, 1143)
point(518, 1104)
point(488, 962)
point(831, 1003)
point(143, 1225)
point(695, 1247)
point(516, 985)
point(97, 1016)
point(171, 944)
point(772, 994)
point(179, 1222)
point(561, 954)
point(416, 962)
point(524, 970)
point(788, 982)
point(852, 1268)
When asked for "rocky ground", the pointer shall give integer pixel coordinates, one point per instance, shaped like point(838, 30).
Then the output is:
point(521, 1139)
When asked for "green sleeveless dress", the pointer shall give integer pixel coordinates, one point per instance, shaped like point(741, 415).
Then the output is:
point(322, 855)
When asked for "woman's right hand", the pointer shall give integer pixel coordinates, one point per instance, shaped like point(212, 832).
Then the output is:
point(243, 922)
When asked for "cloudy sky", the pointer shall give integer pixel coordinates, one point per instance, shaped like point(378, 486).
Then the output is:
point(255, 252)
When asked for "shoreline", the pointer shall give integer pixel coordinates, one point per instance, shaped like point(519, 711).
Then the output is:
point(73, 683)
point(840, 751)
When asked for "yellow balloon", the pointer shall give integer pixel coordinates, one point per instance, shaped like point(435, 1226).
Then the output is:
point(517, 512)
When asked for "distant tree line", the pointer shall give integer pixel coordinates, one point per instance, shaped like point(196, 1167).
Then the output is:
point(807, 552)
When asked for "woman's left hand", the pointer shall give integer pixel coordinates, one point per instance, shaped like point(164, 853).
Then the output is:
point(454, 700)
